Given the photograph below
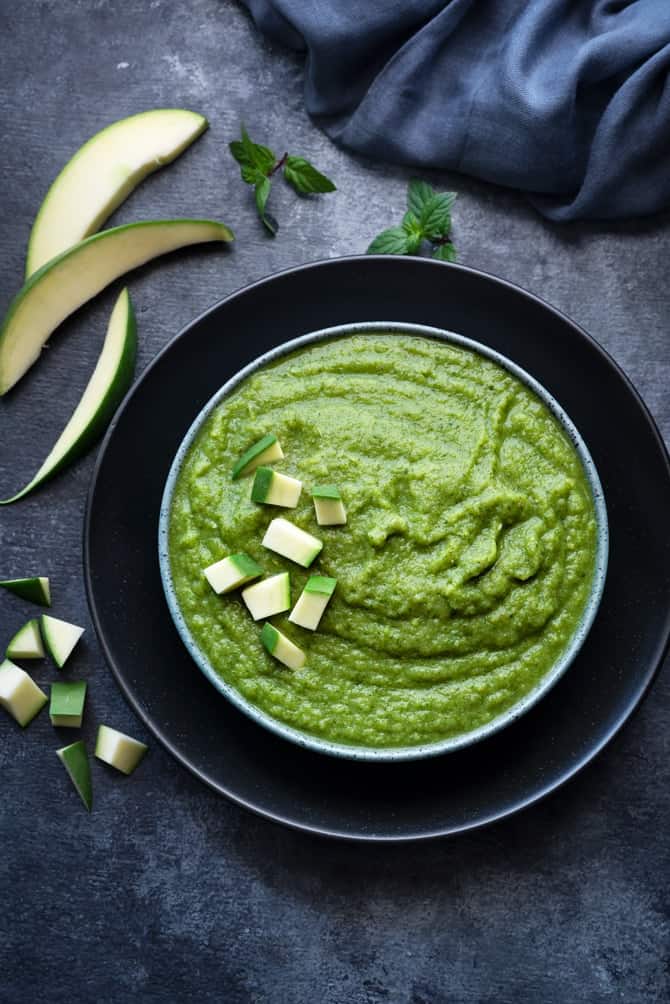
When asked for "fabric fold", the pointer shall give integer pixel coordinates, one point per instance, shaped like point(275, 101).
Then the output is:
point(567, 101)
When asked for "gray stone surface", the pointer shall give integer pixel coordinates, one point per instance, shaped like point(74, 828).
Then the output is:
point(168, 892)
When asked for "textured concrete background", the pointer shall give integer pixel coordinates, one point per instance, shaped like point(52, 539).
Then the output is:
point(168, 893)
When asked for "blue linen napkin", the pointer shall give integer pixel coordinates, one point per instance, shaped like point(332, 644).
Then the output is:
point(568, 100)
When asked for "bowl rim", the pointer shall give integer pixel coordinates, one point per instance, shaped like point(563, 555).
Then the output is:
point(400, 753)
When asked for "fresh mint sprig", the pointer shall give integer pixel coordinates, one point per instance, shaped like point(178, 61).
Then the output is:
point(257, 166)
point(428, 218)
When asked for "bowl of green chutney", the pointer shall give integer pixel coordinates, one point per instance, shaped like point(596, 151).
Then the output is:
point(469, 571)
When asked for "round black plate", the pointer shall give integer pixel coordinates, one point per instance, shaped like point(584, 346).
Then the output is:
point(308, 790)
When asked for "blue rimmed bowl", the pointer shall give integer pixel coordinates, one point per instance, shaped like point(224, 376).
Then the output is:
point(455, 742)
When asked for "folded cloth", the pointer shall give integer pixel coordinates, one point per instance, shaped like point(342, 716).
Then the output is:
point(568, 100)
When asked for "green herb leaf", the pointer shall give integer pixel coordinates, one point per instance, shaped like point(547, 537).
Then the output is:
point(256, 161)
point(262, 193)
point(418, 194)
point(414, 232)
point(445, 252)
point(258, 164)
point(435, 217)
point(263, 189)
point(428, 217)
point(305, 178)
point(392, 241)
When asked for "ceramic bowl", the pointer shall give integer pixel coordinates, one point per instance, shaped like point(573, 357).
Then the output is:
point(445, 745)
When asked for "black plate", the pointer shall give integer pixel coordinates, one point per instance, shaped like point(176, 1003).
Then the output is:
point(312, 791)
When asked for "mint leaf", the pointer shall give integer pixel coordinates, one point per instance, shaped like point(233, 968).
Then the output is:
point(428, 218)
point(252, 175)
point(261, 156)
point(256, 161)
point(445, 252)
point(305, 178)
point(262, 192)
point(414, 231)
point(435, 216)
point(258, 164)
point(418, 194)
point(393, 241)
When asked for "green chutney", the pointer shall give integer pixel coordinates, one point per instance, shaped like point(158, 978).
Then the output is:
point(465, 565)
